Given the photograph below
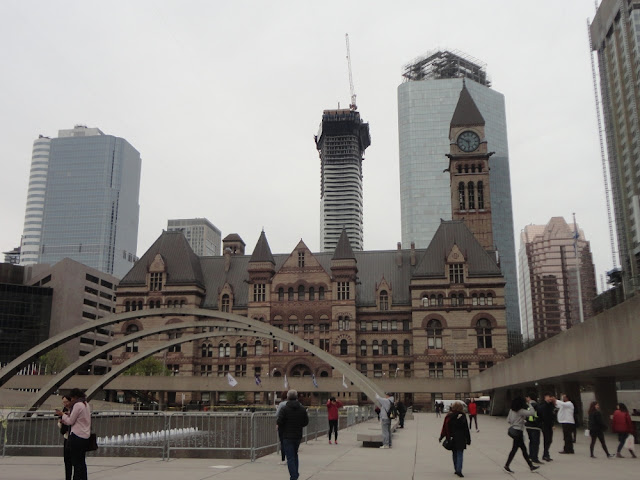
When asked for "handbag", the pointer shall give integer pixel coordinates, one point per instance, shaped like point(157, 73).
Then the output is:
point(586, 432)
point(514, 432)
point(447, 444)
point(93, 443)
point(630, 442)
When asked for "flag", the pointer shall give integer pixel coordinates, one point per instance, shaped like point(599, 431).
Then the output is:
point(286, 382)
point(344, 383)
point(232, 381)
point(313, 379)
point(258, 381)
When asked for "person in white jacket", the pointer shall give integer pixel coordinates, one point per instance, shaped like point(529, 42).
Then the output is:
point(567, 420)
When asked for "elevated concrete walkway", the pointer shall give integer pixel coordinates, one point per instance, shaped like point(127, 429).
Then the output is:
point(416, 455)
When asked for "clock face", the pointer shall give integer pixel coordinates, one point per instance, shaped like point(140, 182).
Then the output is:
point(468, 141)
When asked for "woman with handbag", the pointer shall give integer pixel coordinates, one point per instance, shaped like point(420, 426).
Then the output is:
point(597, 427)
point(623, 426)
point(517, 417)
point(455, 431)
point(80, 422)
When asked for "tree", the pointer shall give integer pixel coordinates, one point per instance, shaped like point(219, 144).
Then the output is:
point(150, 366)
point(54, 361)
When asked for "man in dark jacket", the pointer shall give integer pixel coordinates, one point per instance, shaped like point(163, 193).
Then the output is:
point(291, 420)
point(402, 411)
point(546, 413)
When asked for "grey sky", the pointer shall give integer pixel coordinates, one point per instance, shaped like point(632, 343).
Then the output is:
point(222, 100)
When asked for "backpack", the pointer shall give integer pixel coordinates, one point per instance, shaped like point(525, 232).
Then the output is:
point(393, 411)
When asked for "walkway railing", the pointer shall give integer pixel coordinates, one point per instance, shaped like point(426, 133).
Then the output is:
point(167, 434)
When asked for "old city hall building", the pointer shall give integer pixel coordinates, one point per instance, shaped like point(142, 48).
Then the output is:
point(405, 313)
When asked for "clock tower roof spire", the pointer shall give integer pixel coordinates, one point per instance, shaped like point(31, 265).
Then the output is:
point(466, 113)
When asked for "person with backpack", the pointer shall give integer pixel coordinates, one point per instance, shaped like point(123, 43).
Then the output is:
point(387, 413)
point(518, 414)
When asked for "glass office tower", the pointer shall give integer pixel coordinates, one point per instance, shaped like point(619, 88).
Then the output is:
point(426, 101)
point(90, 209)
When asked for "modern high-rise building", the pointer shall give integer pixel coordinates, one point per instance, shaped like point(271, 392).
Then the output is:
point(203, 236)
point(82, 201)
point(615, 36)
point(426, 102)
point(341, 142)
point(549, 293)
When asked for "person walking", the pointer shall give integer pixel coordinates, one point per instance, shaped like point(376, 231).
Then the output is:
point(597, 427)
point(385, 420)
point(79, 421)
point(568, 422)
point(517, 417)
point(623, 426)
point(283, 396)
point(333, 406)
point(291, 420)
point(533, 426)
point(64, 431)
point(402, 411)
point(456, 431)
point(438, 409)
point(473, 413)
point(546, 412)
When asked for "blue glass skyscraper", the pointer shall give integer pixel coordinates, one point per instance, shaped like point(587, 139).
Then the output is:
point(89, 208)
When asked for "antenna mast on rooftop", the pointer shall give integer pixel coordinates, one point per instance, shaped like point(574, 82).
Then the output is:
point(352, 105)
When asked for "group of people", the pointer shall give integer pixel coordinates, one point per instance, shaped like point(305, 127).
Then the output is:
point(75, 426)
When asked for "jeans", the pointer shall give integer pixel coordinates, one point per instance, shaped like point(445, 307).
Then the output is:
point(333, 426)
point(281, 445)
point(621, 438)
point(77, 451)
point(291, 446)
point(547, 432)
point(518, 443)
point(386, 431)
point(567, 433)
point(457, 460)
point(534, 443)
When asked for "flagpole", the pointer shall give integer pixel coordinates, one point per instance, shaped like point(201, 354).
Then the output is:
point(575, 249)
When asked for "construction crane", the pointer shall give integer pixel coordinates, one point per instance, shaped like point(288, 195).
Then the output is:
point(352, 106)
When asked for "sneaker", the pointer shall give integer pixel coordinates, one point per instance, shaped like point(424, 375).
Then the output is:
point(384, 446)
point(329, 442)
point(336, 442)
point(459, 474)
point(547, 459)
point(536, 460)
point(477, 430)
point(534, 467)
point(611, 455)
point(507, 469)
point(619, 455)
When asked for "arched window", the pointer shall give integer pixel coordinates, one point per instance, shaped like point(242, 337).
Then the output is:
point(394, 347)
point(225, 303)
point(363, 348)
point(172, 336)
point(207, 350)
point(406, 347)
point(461, 195)
point(375, 348)
point(324, 374)
point(483, 329)
point(480, 195)
point(312, 293)
point(290, 295)
point(466, 169)
point(133, 328)
point(385, 347)
point(241, 349)
point(277, 374)
point(459, 168)
point(343, 347)
point(472, 196)
point(489, 299)
point(440, 300)
point(139, 304)
point(281, 294)
point(258, 347)
point(321, 293)
point(224, 350)
point(454, 300)
point(461, 299)
point(301, 292)
point(425, 301)
point(433, 302)
point(132, 346)
point(384, 300)
point(479, 168)
point(473, 168)
point(481, 299)
point(300, 371)
point(127, 306)
point(434, 334)
point(474, 299)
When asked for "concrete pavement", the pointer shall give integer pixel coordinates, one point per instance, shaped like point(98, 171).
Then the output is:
point(416, 455)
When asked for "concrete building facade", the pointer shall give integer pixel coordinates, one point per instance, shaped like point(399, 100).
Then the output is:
point(426, 103)
point(341, 142)
point(615, 36)
point(549, 300)
point(83, 201)
point(203, 236)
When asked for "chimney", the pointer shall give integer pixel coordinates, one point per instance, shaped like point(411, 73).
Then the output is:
point(399, 255)
point(413, 254)
point(227, 259)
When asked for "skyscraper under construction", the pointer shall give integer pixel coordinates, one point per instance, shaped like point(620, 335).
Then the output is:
point(341, 142)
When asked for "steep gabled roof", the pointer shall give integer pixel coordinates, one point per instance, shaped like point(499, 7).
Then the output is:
point(262, 252)
point(343, 248)
point(450, 233)
point(182, 265)
point(466, 112)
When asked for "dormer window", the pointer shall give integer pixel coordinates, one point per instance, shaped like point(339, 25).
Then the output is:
point(456, 273)
point(300, 259)
point(384, 300)
point(156, 280)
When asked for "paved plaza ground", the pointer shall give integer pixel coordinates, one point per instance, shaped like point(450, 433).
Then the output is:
point(415, 455)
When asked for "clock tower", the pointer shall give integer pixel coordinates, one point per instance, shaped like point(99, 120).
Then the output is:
point(469, 170)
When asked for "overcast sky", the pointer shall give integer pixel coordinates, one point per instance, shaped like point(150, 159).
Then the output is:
point(222, 99)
